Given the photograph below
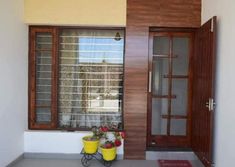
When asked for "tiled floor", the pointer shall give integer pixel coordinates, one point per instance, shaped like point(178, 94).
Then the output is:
point(77, 163)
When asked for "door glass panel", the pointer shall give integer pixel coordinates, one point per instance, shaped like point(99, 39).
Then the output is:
point(159, 88)
point(178, 127)
point(181, 51)
point(161, 45)
point(160, 105)
point(159, 108)
point(159, 83)
point(166, 83)
point(179, 104)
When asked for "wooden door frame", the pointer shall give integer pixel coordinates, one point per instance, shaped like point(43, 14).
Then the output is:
point(166, 141)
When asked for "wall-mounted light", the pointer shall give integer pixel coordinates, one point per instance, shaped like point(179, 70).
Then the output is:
point(117, 37)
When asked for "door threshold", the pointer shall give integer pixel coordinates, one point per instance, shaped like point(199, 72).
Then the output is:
point(171, 149)
point(171, 155)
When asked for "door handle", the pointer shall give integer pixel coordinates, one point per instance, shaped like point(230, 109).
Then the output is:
point(150, 81)
point(210, 104)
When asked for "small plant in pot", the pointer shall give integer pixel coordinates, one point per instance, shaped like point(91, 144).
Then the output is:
point(109, 143)
point(91, 142)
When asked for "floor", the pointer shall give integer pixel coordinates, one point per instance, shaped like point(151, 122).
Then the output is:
point(77, 163)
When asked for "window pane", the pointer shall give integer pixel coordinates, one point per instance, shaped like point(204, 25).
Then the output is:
point(90, 78)
point(43, 41)
point(43, 115)
point(43, 77)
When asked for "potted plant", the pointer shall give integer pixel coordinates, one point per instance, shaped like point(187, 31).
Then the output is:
point(91, 142)
point(109, 143)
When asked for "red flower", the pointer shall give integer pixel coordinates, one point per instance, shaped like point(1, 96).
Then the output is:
point(117, 143)
point(104, 129)
point(122, 134)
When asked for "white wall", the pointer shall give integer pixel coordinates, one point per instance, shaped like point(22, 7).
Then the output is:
point(13, 80)
point(225, 99)
point(56, 142)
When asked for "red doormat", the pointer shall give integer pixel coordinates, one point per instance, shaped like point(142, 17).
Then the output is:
point(174, 163)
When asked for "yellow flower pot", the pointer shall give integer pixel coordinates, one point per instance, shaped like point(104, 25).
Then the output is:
point(90, 146)
point(109, 154)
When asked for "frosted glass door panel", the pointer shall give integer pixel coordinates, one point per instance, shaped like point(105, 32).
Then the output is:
point(159, 83)
point(179, 104)
point(178, 127)
point(159, 108)
point(168, 106)
point(181, 51)
point(161, 45)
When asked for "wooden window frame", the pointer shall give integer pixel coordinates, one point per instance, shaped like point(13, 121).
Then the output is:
point(54, 30)
point(32, 78)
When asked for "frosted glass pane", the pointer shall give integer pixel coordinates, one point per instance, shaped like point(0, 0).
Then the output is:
point(179, 104)
point(159, 108)
point(181, 49)
point(161, 45)
point(159, 83)
point(178, 127)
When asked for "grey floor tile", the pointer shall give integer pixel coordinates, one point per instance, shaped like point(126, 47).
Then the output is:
point(48, 163)
point(77, 163)
point(144, 163)
point(197, 163)
point(124, 163)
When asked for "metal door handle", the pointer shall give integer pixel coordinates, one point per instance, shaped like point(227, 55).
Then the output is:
point(150, 81)
point(210, 104)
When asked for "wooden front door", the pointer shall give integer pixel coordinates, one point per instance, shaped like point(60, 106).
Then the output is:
point(203, 91)
point(169, 91)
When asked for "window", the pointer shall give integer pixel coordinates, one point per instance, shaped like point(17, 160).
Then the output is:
point(75, 78)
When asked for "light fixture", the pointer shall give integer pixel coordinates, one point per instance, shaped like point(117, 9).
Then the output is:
point(117, 37)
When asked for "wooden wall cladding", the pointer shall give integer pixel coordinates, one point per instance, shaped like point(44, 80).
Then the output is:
point(142, 14)
point(164, 13)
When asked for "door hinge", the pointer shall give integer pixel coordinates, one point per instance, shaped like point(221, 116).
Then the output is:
point(212, 25)
point(210, 104)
